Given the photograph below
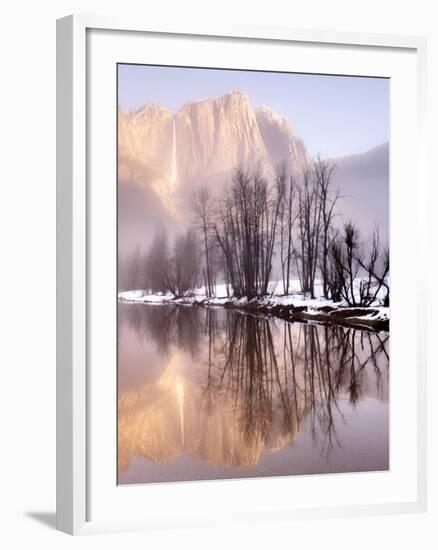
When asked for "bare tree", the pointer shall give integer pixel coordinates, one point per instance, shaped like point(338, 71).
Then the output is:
point(309, 222)
point(245, 227)
point(202, 204)
point(183, 274)
point(323, 172)
point(287, 218)
point(157, 262)
point(345, 252)
point(376, 268)
point(145, 276)
point(135, 278)
point(333, 274)
point(349, 258)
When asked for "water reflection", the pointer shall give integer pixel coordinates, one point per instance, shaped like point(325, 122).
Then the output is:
point(233, 389)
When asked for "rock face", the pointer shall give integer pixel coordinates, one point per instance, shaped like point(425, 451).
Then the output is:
point(215, 135)
point(165, 419)
point(145, 140)
point(164, 156)
point(280, 142)
point(202, 144)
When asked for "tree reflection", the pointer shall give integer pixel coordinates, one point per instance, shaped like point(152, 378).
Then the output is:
point(166, 325)
point(283, 373)
point(267, 376)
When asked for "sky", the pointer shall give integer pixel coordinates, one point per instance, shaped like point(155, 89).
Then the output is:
point(333, 115)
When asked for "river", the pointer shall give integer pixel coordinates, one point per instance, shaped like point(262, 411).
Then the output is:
point(213, 393)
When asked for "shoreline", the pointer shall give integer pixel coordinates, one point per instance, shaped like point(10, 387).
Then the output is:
point(288, 308)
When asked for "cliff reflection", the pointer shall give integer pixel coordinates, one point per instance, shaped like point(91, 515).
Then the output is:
point(235, 386)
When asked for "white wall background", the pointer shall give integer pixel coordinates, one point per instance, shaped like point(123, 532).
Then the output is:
point(27, 272)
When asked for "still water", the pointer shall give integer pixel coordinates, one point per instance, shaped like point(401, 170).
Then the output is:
point(209, 393)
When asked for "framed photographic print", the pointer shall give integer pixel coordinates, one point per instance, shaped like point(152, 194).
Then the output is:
point(238, 323)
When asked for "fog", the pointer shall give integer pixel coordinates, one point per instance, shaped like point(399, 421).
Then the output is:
point(364, 184)
point(362, 179)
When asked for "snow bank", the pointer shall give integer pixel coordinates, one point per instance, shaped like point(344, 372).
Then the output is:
point(142, 297)
point(295, 306)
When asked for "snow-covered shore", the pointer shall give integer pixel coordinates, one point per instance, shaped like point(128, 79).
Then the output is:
point(294, 307)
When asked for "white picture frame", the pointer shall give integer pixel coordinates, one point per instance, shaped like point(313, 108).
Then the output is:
point(74, 220)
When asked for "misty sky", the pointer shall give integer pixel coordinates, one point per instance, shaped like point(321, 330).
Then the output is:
point(333, 115)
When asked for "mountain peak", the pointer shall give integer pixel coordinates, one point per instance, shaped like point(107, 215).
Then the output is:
point(376, 152)
point(149, 109)
point(266, 112)
point(234, 96)
point(279, 139)
point(203, 143)
point(236, 92)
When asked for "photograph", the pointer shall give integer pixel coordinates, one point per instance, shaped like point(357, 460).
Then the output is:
point(253, 277)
